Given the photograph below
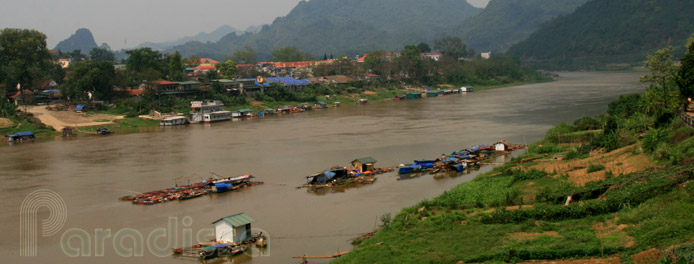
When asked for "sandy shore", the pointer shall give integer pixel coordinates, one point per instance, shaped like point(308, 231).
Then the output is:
point(61, 119)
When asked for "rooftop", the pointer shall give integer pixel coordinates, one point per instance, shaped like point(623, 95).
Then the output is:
point(237, 220)
point(365, 160)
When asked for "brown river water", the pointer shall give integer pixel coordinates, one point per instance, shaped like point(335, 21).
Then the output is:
point(89, 173)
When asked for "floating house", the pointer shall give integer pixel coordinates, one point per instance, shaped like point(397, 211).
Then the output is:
point(425, 164)
point(326, 176)
point(411, 96)
point(364, 164)
point(208, 111)
point(173, 121)
point(20, 136)
point(242, 113)
point(466, 89)
point(233, 229)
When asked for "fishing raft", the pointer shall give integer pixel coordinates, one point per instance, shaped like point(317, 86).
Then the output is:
point(219, 184)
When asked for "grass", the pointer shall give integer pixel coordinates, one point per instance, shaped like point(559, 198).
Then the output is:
point(28, 123)
point(126, 125)
point(512, 214)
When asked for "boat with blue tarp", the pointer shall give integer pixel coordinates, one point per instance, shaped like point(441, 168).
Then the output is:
point(21, 136)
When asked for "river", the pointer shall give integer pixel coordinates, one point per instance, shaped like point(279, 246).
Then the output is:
point(90, 173)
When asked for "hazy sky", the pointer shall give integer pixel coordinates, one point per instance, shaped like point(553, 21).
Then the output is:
point(135, 21)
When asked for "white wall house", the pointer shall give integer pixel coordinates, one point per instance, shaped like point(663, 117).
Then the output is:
point(486, 55)
point(233, 229)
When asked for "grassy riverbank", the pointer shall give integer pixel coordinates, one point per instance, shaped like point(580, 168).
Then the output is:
point(25, 123)
point(630, 177)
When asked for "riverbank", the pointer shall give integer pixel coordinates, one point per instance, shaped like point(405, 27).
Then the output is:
point(603, 190)
point(88, 122)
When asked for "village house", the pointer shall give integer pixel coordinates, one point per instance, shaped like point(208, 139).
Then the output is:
point(436, 56)
point(233, 229)
point(486, 55)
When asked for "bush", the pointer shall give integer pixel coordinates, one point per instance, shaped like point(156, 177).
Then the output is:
point(625, 106)
point(594, 168)
point(587, 123)
point(546, 149)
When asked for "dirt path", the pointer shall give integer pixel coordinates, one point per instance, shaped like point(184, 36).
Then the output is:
point(61, 119)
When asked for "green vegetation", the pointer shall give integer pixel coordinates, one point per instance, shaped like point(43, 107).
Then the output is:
point(27, 123)
point(126, 125)
point(504, 23)
point(517, 212)
point(601, 33)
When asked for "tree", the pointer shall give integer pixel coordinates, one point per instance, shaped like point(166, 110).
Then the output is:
point(661, 66)
point(372, 60)
point(451, 47)
point(24, 58)
point(77, 56)
point(95, 77)
point(145, 58)
point(100, 54)
point(227, 69)
point(424, 47)
point(658, 97)
point(410, 61)
point(685, 75)
point(245, 56)
point(191, 61)
point(175, 67)
point(290, 54)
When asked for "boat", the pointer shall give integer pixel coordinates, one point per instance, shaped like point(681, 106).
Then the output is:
point(103, 131)
point(242, 113)
point(208, 111)
point(363, 101)
point(173, 121)
point(466, 89)
point(411, 168)
point(21, 136)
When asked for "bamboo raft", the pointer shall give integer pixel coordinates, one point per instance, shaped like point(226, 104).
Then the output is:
point(192, 191)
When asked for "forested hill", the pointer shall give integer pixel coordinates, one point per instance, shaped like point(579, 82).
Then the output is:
point(507, 22)
point(346, 27)
point(607, 32)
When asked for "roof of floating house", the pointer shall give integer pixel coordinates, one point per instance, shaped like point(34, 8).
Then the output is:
point(22, 134)
point(237, 220)
point(365, 160)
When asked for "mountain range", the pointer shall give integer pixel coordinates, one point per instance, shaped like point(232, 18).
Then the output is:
point(603, 32)
point(203, 37)
point(345, 27)
point(506, 22)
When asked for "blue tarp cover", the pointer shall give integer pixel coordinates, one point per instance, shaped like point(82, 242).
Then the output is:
point(220, 246)
point(329, 174)
point(21, 134)
point(79, 107)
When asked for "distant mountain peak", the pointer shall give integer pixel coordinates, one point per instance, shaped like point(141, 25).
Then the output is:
point(203, 37)
point(82, 40)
